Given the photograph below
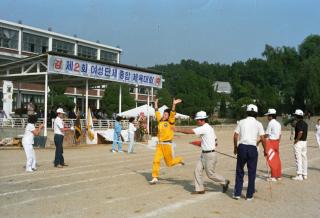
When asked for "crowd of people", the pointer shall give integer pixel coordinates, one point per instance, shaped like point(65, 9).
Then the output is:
point(248, 134)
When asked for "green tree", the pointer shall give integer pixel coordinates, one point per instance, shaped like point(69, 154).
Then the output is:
point(110, 100)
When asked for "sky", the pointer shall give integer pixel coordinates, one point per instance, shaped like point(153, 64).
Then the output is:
point(155, 32)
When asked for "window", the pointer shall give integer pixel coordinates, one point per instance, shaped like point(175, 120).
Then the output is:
point(34, 43)
point(143, 90)
point(87, 52)
point(63, 47)
point(132, 90)
point(8, 38)
point(108, 56)
point(38, 100)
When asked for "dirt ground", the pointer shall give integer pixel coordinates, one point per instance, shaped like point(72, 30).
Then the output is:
point(99, 183)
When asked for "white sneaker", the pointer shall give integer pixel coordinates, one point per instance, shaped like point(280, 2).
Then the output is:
point(298, 178)
point(271, 179)
point(305, 177)
point(154, 181)
point(29, 171)
point(120, 151)
point(249, 199)
point(236, 197)
point(113, 151)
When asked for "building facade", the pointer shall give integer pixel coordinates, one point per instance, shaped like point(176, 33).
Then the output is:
point(20, 41)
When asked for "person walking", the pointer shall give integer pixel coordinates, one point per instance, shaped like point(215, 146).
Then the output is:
point(246, 133)
point(59, 131)
point(208, 158)
point(318, 132)
point(28, 141)
point(273, 136)
point(131, 132)
point(300, 146)
point(117, 135)
point(165, 139)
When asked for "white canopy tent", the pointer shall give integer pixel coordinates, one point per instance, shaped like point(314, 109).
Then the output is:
point(178, 116)
point(148, 110)
point(135, 112)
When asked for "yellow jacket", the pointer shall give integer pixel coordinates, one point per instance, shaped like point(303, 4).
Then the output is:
point(165, 128)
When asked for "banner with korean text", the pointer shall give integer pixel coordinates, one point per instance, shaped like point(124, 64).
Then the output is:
point(88, 69)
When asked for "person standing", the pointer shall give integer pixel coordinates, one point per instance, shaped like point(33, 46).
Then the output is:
point(165, 139)
point(208, 158)
point(273, 136)
point(318, 132)
point(28, 141)
point(246, 133)
point(58, 139)
point(131, 131)
point(300, 146)
point(117, 135)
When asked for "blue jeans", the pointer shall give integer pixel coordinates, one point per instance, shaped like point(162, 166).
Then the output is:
point(247, 154)
point(116, 140)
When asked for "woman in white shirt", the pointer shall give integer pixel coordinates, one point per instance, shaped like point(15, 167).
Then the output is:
point(28, 141)
point(318, 132)
point(131, 131)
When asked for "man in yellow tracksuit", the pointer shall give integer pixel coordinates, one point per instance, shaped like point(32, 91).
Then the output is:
point(165, 137)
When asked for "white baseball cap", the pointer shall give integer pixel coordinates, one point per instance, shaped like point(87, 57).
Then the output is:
point(201, 115)
point(60, 111)
point(252, 107)
point(271, 111)
point(298, 112)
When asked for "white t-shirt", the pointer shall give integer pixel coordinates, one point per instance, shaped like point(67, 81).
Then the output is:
point(58, 125)
point(318, 129)
point(131, 128)
point(249, 130)
point(28, 137)
point(207, 135)
point(274, 129)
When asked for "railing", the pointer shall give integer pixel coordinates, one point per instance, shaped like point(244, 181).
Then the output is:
point(97, 124)
point(16, 122)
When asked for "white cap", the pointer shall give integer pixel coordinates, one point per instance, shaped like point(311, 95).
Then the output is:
point(298, 112)
point(271, 111)
point(201, 115)
point(60, 111)
point(252, 107)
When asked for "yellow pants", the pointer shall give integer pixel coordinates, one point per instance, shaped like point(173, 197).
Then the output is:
point(163, 151)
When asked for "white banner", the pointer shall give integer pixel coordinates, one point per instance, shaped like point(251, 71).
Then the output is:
point(76, 67)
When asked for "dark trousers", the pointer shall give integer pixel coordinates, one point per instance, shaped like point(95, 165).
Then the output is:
point(247, 154)
point(58, 142)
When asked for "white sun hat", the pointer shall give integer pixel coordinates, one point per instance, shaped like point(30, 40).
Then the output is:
point(271, 111)
point(252, 107)
point(60, 111)
point(298, 112)
point(201, 115)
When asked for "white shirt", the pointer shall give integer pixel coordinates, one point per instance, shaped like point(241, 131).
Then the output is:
point(131, 128)
point(28, 137)
point(274, 130)
point(58, 125)
point(318, 129)
point(249, 130)
point(207, 135)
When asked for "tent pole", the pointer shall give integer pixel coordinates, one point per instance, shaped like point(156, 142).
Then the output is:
point(120, 96)
point(87, 103)
point(46, 105)
point(148, 117)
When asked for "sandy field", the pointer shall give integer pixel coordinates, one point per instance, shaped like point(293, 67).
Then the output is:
point(98, 183)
